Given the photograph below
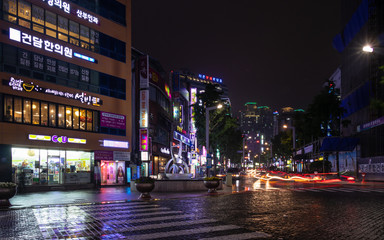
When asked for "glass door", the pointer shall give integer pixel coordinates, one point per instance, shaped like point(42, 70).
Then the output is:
point(55, 167)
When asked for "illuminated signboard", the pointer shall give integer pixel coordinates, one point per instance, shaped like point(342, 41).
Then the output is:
point(66, 7)
point(60, 4)
point(56, 139)
point(210, 78)
point(144, 108)
point(143, 140)
point(115, 144)
point(18, 36)
point(193, 101)
point(165, 150)
point(168, 91)
point(182, 138)
point(20, 85)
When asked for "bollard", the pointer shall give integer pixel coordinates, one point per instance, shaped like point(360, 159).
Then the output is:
point(228, 180)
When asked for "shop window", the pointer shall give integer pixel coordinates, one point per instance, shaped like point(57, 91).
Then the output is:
point(61, 116)
point(8, 108)
point(74, 72)
point(74, 29)
point(43, 166)
point(17, 110)
point(37, 15)
point(112, 172)
point(68, 117)
point(82, 119)
point(44, 114)
point(35, 112)
point(25, 166)
point(27, 111)
point(52, 115)
point(78, 161)
point(24, 10)
point(84, 33)
point(89, 120)
point(76, 116)
point(62, 69)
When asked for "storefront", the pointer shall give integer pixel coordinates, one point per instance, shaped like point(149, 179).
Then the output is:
point(34, 166)
point(160, 157)
point(112, 166)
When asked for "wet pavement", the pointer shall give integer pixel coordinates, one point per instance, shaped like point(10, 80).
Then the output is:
point(250, 210)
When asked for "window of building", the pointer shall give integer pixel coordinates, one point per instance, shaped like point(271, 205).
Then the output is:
point(44, 114)
point(50, 23)
point(76, 118)
point(63, 28)
point(89, 120)
point(61, 116)
point(52, 115)
point(17, 110)
point(35, 112)
point(27, 111)
point(37, 15)
point(8, 109)
point(82, 119)
point(74, 29)
point(68, 117)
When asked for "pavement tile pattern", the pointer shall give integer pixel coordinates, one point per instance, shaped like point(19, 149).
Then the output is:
point(122, 220)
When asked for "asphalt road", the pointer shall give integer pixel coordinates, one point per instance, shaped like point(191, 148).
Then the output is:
point(254, 210)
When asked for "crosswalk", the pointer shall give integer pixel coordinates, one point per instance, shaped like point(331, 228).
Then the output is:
point(133, 220)
point(338, 189)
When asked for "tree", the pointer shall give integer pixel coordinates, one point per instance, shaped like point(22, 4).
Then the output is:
point(224, 130)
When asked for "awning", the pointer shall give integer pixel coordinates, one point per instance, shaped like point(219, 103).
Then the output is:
point(338, 144)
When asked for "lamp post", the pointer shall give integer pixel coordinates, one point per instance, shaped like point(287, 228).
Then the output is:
point(293, 137)
point(207, 129)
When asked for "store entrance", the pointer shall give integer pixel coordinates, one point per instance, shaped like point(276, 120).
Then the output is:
point(55, 170)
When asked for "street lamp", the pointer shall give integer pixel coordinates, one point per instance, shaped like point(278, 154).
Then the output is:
point(207, 129)
point(367, 48)
point(293, 138)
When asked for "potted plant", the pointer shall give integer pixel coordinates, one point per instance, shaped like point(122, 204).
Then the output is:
point(211, 183)
point(145, 185)
point(7, 191)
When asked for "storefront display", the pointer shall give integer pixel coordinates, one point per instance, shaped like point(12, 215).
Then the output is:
point(52, 167)
point(112, 172)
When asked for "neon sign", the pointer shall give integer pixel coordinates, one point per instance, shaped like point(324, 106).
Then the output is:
point(18, 36)
point(210, 78)
point(20, 85)
point(56, 139)
point(165, 150)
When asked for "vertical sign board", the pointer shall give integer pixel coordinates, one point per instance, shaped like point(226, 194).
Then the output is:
point(143, 140)
point(144, 108)
point(144, 72)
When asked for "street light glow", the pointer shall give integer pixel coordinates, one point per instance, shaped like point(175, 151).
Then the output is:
point(285, 126)
point(219, 106)
point(367, 48)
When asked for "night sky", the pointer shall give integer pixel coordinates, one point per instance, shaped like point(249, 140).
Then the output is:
point(276, 53)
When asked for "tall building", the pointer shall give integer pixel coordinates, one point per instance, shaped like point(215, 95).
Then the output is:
point(362, 93)
point(65, 97)
point(152, 114)
point(186, 86)
point(256, 123)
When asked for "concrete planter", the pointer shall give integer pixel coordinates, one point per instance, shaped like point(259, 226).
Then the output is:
point(145, 189)
point(5, 195)
point(212, 185)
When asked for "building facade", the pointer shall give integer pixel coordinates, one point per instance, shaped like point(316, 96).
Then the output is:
point(65, 95)
point(362, 93)
point(153, 118)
